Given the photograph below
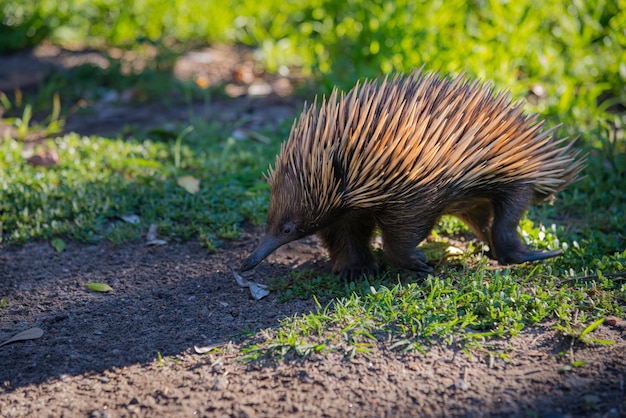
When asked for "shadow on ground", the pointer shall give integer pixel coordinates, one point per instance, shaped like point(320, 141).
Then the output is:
point(164, 301)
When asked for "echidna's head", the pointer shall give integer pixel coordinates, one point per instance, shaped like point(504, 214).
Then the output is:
point(305, 181)
point(288, 218)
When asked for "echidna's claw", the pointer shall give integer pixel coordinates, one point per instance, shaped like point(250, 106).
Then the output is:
point(528, 256)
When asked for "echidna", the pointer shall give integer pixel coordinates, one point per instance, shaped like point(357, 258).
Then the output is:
point(398, 154)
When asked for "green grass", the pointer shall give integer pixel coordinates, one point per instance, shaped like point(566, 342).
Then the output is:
point(456, 307)
point(565, 58)
point(99, 180)
point(464, 303)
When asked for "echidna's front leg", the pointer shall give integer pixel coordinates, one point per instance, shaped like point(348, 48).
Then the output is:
point(400, 241)
point(508, 211)
point(349, 245)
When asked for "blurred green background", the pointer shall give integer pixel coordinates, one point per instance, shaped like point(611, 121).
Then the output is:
point(574, 50)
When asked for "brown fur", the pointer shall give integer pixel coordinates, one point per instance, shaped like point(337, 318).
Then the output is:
point(398, 155)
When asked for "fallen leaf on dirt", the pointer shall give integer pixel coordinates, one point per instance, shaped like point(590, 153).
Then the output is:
point(615, 322)
point(189, 183)
point(240, 280)
point(152, 233)
point(156, 242)
point(151, 237)
point(58, 244)
point(258, 291)
point(131, 218)
point(47, 158)
point(99, 287)
point(204, 350)
point(29, 334)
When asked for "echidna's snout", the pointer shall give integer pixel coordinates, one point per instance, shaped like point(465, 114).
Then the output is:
point(268, 245)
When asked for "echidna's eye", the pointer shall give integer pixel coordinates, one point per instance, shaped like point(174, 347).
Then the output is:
point(288, 228)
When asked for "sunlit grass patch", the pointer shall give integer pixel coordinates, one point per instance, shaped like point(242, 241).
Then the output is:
point(465, 308)
point(97, 181)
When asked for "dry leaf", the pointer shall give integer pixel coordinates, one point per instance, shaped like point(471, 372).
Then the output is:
point(152, 233)
point(240, 280)
point(614, 321)
point(29, 334)
point(99, 287)
point(258, 291)
point(204, 350)
point(189, 183)
point(131, 218)
point(151, 237)
point(58, 244)
point(47, 158)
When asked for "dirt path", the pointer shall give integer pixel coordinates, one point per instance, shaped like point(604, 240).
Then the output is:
point(99, 353)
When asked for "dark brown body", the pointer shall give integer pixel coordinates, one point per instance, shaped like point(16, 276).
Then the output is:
point(492, 215)
point(398, 155)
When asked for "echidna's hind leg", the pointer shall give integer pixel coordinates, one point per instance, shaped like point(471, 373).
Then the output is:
point(478, 216)
point(349, 245)
point(400, 241)
point(509, 208)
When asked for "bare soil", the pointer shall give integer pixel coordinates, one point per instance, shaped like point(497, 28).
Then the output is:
point(131, 352)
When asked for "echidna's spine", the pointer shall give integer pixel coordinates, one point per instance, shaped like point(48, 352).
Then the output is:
point(389, 138)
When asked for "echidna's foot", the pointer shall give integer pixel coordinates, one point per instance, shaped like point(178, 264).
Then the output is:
point(414, 260)
point(400, 242)
point(348, 244)
point(421, 267)
point(527, 255)
point(508, 210)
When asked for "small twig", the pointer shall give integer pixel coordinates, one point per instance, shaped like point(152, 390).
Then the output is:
point(591, 276)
